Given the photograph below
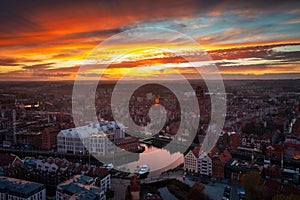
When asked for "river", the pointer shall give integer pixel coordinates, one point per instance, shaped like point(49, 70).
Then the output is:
point(157, 159)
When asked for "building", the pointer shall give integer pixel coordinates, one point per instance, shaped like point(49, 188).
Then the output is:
point(128, 143)
point(274, 150)
point(191, 160)
point(198, 162)
point(204, 164)
point(274, 187)
point(52, 171)
point(272, 171)
point(150, 196)
point(11, 165)
point(234, 140)
point(35, 134)
point(49, 137)
point(290, 176)
point(291, 150)
point(251, 141)
point(234, 169)
point(86, 194)
point(103, 179)
point(218, 163)
point(68, 141)
point(78, 187)
point(228, 139)
point(209, 164)
point(94, 138)
point(9, 160)
point(17, 189)
point(29, 139)
point(223, 140)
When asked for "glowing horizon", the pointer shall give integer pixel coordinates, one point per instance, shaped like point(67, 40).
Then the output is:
point(49, 41)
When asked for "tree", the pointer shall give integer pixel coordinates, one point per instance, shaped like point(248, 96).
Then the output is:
point(254, 128)
point(196, 192)
point(253, 185)
point(284, 197)
point(279, 197)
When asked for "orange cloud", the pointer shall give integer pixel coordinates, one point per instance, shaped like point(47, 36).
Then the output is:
point(51, 40)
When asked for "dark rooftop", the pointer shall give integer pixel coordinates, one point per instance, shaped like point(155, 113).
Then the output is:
point(19, 187)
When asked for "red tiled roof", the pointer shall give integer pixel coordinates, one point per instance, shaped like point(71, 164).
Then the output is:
point(91, 171)
point(224, 156)
point(196, 151)
point(280, 122)
point(296, 126)
point(97, 170)
point(291, 190)
point(277, 147)
point(85, 168)
point(277, 187)
point(78, 169)
point(71, 166)
point(103, 173)
point(274, 186)
point(273, 171)
point(7, 159)
point(292, 146)
point(213, 151)
point(267, 136)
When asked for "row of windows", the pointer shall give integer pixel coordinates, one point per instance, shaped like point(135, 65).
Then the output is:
point(69, 139)
point(38, 196)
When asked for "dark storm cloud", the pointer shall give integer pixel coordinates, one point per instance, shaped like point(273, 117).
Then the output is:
point(20, 15)
point(265, 52)
point(51, 75)
point(95, 33)
point(38, 67)
point(4, 61)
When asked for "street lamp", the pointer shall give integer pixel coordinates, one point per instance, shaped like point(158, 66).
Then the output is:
point(80, 155)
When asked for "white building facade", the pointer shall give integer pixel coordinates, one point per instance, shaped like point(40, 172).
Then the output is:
point(93, 138)
point(204, 164)
point(191, 162)
point(105, 183)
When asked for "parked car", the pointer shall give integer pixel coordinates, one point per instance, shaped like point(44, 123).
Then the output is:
point(227, 192)
point(241, 194)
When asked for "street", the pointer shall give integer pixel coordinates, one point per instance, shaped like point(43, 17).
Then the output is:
point(214, 191)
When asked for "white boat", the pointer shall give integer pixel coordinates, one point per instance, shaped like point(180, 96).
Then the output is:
point(109, 166)
point(142, 170)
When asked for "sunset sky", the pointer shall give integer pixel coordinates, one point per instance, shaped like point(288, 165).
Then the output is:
point(49, 40)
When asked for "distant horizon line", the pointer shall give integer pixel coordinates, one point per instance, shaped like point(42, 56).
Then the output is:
point(114, 81)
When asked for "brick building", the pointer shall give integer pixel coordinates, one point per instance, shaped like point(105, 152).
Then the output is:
point(49, 137)
point(274, 150)
point(234, 140)
point(128, 143)
point(11, 165)
point(218, 163)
